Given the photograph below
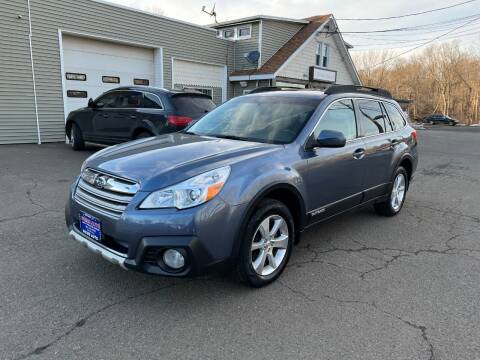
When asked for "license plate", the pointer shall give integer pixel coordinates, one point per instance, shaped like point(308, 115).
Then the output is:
point(90, 226)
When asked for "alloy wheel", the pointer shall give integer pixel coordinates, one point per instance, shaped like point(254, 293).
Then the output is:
point(72, 137)
point(269, 245)
point(398, 192)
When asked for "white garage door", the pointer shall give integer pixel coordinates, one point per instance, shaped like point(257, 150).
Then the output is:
point(104, 66)
point(205, 77)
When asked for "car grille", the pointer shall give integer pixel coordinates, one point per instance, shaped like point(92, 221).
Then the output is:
point(109, 197)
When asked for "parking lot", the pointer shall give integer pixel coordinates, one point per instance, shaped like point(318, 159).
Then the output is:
point(357, 287)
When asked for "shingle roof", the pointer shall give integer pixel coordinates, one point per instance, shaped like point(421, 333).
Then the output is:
point(287, 50)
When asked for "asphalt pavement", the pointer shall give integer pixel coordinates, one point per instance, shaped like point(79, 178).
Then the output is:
point(357, 287)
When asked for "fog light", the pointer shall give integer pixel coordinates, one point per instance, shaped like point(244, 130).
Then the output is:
point(174, 259)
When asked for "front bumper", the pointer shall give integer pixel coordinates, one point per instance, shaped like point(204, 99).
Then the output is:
point(106, 253)
point(135, 241)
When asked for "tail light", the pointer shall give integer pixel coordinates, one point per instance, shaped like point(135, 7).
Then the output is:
point(176, 120)
point(414, 136)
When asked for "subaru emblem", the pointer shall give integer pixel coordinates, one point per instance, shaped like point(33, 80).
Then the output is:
point(100, 182)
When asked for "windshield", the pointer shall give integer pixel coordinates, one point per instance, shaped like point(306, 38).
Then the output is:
point(270, 119)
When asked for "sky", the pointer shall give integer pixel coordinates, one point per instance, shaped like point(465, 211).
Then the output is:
point(190, 11)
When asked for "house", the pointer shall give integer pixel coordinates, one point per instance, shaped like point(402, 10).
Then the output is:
point(56, 54)
point(272, 51)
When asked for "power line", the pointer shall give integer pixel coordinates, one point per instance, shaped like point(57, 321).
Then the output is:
point(426, 43)
point(393, 40)
point(417, 27)
point(404, 45)
point(393, 37)
point(407, 15)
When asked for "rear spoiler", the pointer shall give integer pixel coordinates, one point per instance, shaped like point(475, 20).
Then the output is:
point(191, 93)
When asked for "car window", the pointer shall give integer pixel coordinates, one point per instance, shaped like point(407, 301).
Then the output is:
point(107, 101)
point(371, 117)
point(389, 125)
point(340, 116)
point(193, 106)
point(151, 101)
point(394, 114)
point(129, 99)
point(271, 119)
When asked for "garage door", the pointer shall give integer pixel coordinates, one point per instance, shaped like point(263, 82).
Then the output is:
point(208, 78)
point(93, 67)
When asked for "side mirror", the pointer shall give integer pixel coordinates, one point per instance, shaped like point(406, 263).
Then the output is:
point(329, 139)
point(91, 104)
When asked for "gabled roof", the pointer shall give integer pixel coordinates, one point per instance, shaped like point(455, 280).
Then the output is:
point(257, 18)
point(286, 51)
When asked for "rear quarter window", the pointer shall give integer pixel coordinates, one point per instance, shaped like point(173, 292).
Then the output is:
point(394, 114)
point(193, 106)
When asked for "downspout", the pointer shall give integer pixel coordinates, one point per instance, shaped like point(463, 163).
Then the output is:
point(33, 72)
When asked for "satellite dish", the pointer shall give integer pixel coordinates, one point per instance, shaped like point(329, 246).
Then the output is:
point(253, 56)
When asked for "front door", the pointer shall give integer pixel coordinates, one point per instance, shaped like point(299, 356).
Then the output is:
point(379, 147)
point(102, 112)
point(335, 175)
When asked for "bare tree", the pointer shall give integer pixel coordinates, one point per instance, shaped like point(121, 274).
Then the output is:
point(443, 78)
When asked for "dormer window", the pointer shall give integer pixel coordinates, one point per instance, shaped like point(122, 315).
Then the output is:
point(229, 33)
point(244, 32)
point(240, 32)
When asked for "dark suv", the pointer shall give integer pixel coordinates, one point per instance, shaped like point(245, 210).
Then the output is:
point(135, 112)
point(440, 119)
point(240, 185)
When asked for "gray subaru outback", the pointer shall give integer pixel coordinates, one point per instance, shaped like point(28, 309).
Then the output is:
point(237, 188)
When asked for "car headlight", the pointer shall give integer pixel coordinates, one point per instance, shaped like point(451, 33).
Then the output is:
point(190, 193)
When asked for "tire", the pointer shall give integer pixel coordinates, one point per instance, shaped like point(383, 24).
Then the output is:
point(452, 123)
point(76, 138)
point(271, 253)
point(143, 135)
point(393, 205)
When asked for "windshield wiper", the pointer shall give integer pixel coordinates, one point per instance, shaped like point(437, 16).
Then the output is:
point(230, 137)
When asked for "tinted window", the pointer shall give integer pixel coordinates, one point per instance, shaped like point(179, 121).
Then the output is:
point(272, 119)
point(397, 119)
point(371, 117)
point(151, 101)
point(340, 116)
point(191, 105)
point(129, 99)
point(108, 100)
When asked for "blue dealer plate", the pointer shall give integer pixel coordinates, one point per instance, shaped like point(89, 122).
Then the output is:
point(90, 226)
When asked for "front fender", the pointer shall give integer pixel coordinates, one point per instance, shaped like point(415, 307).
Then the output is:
point(246, 184)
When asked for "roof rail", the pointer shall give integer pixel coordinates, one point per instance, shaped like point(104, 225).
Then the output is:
point(338, 89)
point(272, 88)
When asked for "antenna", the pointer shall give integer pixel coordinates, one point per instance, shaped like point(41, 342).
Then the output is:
point(211, 13)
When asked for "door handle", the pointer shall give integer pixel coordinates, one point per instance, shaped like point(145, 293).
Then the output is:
point(133, 116)
point(359, 154)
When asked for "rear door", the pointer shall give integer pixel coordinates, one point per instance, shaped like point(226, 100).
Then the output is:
point(124, 117)
point(152, 115)
point(376, 132)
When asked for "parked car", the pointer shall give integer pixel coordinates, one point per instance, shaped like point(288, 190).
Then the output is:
point(440, 119)
point(135, 112)
point(238, 187)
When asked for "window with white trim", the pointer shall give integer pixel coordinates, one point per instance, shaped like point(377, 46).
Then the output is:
point(229, 33)
point(244, 32)
point(322, 55)
point(236, 33)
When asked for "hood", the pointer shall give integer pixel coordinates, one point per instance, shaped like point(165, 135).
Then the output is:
point(168, 159)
